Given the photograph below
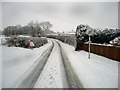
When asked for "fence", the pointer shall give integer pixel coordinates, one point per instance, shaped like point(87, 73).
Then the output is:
point(112, 52)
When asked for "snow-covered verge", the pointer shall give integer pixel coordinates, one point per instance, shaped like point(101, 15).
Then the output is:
point(0, 68)
point(97, 72)
point(0, 62)
point(16, 61)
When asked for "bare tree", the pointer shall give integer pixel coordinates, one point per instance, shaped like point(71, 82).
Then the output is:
point(46, 25)
point(33, 28)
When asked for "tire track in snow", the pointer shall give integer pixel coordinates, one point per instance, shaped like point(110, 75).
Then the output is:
point(66, 74)
point(53, 74)
point(58, 63)
point(72, 78)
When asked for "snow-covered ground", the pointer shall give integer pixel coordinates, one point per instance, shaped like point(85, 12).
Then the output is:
point(97, 72)
point(1, 36)
point(0, 67)
point(16, 61)
point(52, 74)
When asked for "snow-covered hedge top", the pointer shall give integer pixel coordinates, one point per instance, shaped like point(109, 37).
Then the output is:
point(115, 41)
point(84, 29)
point(23, 36)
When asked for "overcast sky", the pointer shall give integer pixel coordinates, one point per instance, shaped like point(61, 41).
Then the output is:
point(64, 16)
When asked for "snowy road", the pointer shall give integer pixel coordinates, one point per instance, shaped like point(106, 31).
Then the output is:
point(57, 65)
point(51, 76)
point(50, 70)
point(57, 72)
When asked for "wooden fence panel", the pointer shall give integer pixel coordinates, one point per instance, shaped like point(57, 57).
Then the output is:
point(112, 52)
point(118, 54)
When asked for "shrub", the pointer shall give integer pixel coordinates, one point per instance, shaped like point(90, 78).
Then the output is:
point(24, 41)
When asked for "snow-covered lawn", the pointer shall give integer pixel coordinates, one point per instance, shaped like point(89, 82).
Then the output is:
point(97, 72)
point(16, 61)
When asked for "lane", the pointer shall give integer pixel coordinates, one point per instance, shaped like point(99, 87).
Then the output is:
point(53, 74)
point(58, 72)
point(51, 70)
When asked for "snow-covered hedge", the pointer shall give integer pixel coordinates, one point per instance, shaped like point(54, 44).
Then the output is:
point(115, 41)
point(3, 40)
point(66, 39)
point(24, 41)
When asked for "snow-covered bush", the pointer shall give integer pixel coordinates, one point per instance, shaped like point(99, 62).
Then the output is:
point(81, 35)
point(100, 35)
point(39, 41)
point(115, 41)
point(105, 35)
point(70, 40)
point(24, 41)
point(3, 41)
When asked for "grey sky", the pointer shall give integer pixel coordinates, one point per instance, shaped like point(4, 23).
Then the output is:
point(0, 16)
point(118, 14)
point(64, 16)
